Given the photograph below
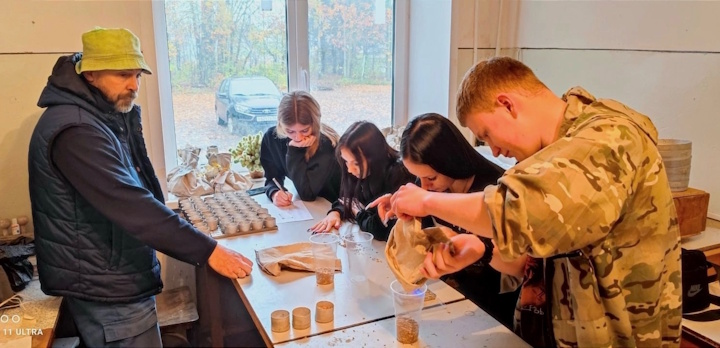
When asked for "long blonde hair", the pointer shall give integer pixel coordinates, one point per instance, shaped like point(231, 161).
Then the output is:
point(299, 107)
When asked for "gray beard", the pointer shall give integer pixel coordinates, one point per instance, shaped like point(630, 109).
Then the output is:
point(124, 108)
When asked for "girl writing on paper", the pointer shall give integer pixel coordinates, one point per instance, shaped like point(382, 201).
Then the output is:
point(370, 169)
point(301, 148)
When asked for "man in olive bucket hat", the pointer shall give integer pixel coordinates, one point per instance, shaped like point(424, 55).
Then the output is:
point(98, 209)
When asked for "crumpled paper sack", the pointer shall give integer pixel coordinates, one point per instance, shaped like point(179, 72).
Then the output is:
point(406, 248)
point(183, 180)
point(221, 178)
point(298, 256)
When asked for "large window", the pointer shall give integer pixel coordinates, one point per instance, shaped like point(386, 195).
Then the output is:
point(231, 61)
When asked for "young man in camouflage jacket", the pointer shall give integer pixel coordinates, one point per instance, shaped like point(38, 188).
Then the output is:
point(589, 194)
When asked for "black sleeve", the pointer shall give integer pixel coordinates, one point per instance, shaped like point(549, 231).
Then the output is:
point(368, 219)
point(92, 165)
point(310, 176)
point(338, 207)
point(270, 162)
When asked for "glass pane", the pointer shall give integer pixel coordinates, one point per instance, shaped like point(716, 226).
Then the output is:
point(351, 58)
point(228, 67)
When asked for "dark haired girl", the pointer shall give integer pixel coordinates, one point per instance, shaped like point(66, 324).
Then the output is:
point(370, 169)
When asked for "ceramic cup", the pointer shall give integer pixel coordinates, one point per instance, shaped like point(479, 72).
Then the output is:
point(280, 320)
point(301, 318)
point(324, 311)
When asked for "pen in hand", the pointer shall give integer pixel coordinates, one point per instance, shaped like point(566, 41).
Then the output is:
point(278, 185)
point(285, 199)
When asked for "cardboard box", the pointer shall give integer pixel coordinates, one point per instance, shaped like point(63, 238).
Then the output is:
point(692, 207)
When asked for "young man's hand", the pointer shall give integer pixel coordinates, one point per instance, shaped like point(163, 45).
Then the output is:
point(466, 249)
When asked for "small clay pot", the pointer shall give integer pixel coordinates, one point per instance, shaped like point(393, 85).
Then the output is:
point(203, 227)
point(324, 311)
point(280, 320)
point(256, 224)
point(212, 223)
point(243, 226)
point(301, 318)
point(230, 228)
point(270, 222)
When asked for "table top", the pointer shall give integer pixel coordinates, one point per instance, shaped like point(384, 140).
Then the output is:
point(459, 324)
point(35, 320)
point(355, 303)
point(705, 241)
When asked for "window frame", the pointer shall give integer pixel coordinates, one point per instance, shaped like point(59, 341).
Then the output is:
point(298, 67)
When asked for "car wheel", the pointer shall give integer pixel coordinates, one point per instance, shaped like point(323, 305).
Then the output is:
point(232, 124)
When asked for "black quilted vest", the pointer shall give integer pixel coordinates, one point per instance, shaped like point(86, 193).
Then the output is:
point(80, 253)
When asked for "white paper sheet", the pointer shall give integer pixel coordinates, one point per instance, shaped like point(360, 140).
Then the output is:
point(296, 212)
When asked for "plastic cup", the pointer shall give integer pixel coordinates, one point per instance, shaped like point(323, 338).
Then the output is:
point(408, 307)
point(358, 246)
point(324, 249)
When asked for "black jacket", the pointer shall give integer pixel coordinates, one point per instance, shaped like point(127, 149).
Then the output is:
point(318, 176)
point(97, 205)
point(372, 187)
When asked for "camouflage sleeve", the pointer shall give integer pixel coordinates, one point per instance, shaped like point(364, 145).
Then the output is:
point(569, 194)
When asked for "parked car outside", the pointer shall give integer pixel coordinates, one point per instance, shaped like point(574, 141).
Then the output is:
point(247, 104)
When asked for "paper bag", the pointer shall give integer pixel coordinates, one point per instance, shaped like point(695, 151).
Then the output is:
point(298, 256)
point(406, 248)
point(221, 178)
point(183, 180)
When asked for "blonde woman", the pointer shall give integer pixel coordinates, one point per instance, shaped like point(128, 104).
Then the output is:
point(301, 148)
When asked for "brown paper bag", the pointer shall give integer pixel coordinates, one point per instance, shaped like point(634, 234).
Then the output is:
point(406, 248)
point(183, 180)
point(221, 178)
point(298, 256)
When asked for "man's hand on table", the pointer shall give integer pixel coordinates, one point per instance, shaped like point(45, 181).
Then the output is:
point(229, 263)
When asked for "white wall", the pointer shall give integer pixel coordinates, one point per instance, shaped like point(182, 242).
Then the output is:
point(661, 58)
point(429, 57)
point(33, 35)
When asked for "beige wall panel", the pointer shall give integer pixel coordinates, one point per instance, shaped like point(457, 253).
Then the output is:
point(463, 13)
point(25, 77)
point(56, 26)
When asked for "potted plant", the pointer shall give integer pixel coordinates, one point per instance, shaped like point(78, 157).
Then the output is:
point(247, 153)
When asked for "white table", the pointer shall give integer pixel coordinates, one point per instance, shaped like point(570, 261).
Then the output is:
point(358, 306)
point(459, 324)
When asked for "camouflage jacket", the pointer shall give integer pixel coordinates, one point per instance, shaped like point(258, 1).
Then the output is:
point(600, 193)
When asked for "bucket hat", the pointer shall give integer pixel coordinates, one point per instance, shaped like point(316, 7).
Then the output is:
point(111, 49)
